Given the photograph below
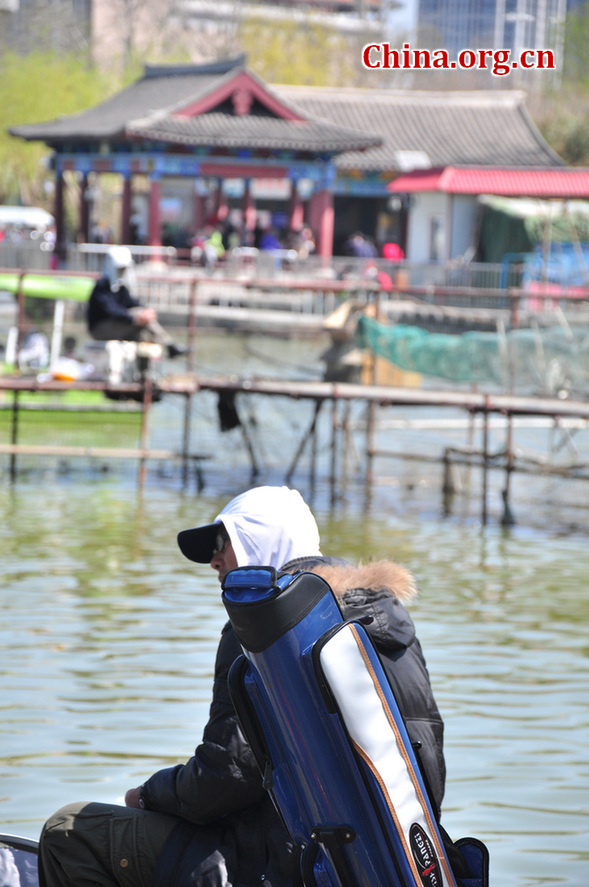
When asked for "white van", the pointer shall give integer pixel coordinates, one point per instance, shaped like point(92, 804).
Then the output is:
point(32, 219)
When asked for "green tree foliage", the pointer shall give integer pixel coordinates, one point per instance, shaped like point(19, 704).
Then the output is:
point(575, 69)
point(563, 115)
point(299, 52)
point(563, 120)
point(35, 88)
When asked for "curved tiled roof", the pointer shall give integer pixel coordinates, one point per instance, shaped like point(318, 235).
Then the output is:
point(482, 128)
point(151, 108)
point(109, 119)
point(228, 131)
point(400, 129)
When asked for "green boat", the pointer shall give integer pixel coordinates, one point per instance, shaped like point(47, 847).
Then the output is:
point(71, 288)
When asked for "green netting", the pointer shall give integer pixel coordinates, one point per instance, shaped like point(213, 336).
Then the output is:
point(510, 225)
point(545, 360)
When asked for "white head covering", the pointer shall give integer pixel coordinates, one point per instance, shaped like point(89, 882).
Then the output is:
point(118, 267)
point(267, 526)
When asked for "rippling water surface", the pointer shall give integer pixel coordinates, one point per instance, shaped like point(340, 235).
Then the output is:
point(108, 636)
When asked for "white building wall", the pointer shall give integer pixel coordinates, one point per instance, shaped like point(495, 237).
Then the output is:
point(429, 225)
point(464, 220)
point(441, 226)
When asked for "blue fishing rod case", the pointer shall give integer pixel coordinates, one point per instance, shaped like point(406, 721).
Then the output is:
point(316, 707)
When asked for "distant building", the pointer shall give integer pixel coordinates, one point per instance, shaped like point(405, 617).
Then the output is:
point(121, 29)
point(345, 15)
point(58, 26)
point(455, 25)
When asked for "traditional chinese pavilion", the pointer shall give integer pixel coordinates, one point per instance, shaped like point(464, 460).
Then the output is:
point(217, 121)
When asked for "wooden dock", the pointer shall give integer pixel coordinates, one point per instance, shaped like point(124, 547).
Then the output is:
point(335, 396)
point(294, 307)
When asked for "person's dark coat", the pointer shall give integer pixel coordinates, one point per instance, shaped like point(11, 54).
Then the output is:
point(229, 831)
point(106, 304)
point(229, 821)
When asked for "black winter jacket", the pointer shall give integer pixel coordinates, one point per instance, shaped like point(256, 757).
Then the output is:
point(104, 304)
point(229, 831)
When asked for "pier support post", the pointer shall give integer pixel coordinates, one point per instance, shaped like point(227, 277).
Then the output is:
point(485, 461)
point(333, 468)
point(310, 433)
point(507, 518)
point(147, 399)
point(14, 435)
point(188, 397)
point(448, 488)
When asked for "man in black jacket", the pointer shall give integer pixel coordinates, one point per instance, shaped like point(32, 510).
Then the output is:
point(114, 313)
point(209, 822)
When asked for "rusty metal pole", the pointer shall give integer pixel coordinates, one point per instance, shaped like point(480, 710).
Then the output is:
point(371, 416)
point(192, 324)
point(313, 463)
point(334, 428)
point(188, 397)
point(146, 404)
point(507, 518)
point(20, 321)
point(310, 434)
point(186, 437)
point(370, 426)
point(485, 459)
point(14, 435)
point(346, 445)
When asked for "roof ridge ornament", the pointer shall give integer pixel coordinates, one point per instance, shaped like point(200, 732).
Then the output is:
point(242, 101)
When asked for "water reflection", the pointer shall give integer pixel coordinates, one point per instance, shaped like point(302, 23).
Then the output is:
point(108, 638)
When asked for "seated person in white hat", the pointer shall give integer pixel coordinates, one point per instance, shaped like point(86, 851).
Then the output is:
point(114, 313)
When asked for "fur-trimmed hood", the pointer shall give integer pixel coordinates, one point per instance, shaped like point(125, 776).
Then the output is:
point(374, 576)
point(373, 593)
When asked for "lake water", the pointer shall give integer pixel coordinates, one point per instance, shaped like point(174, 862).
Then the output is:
point(108, 635)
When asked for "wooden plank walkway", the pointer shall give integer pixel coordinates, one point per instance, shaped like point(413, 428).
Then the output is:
point(383, 395)
point(189, 385)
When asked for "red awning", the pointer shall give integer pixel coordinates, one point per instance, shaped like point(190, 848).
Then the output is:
point(566, 182)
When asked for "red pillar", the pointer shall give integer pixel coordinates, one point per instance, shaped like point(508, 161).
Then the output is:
point(249, 208)
point(154, 236)
point(312, 215)
point(296, 209)
point(321, 221)
point(126, 210)
point(222, 210)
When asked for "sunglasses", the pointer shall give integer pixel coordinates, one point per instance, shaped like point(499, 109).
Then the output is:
point(221, 541)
